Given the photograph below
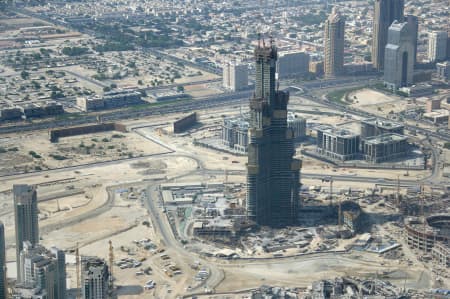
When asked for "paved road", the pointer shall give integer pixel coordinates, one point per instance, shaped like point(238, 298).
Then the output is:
point(163, 228)
point(337, 177)
point(350, 110)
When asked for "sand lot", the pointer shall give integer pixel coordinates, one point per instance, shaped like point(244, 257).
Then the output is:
point(376, 102)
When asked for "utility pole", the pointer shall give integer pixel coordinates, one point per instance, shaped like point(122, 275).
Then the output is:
point(340, 215)
point(422, 211)
point(331, 191)
point(398, 192)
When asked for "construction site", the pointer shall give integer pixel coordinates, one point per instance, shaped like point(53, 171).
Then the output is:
point(156, 177)
point(174, 212)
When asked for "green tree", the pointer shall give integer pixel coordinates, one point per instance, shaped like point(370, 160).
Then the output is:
point(25, 75)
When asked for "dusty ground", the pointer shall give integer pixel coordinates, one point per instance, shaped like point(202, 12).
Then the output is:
point(122, 222)
point(376, 102)
point(201, 90)
point(34, 151)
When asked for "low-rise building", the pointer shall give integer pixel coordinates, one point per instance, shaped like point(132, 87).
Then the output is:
point(419, 90)
point(121, 98)
point(433, 104)
point(42, 269)
point(215, 229)
point(424, 234)
point(437, 117)
point(90, 104)
point(292, 63)
point(384, 147)
point(374, 127)
point(52, 108)
point(443, 70)
point(110, 100)
point(235, 131)
point(298, 125)
point(49, 108)
point(235, 76)
point(358, 68)
point(337, 143)
point(33, 110)
point(441, 254)
point(235, 134)
point(316, 67)
point(11, 113)
point(28, 291)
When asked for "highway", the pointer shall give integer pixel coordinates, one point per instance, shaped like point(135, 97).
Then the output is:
point(341, 107)
point(165, 108)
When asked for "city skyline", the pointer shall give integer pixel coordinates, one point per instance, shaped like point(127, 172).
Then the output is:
point(204, 149)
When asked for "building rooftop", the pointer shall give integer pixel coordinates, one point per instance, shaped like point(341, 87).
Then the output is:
point(382, 123)
point(385, 138)
point(437, 113)
point(340, 132)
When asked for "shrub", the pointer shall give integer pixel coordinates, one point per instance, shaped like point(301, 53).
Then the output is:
point(34, 154)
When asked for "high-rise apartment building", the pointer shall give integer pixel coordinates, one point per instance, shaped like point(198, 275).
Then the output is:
point(413, 27)
point(399, 67)
point(28, 291)
point(334, 44)
point(95, 278)
point(60, 257)
point(272, 173)
point(235, 76)
point(26, 219)
point(3, 286)
point(385, 12)
point(448, 44)
point(437, 46)
point(43, 269)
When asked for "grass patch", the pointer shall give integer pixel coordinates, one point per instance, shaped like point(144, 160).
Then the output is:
point(58, 157)
point(163, 103)
point(338, 96)
point(11, 149)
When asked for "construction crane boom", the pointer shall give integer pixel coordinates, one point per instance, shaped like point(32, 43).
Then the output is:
point(77, 264)
point(111, 264)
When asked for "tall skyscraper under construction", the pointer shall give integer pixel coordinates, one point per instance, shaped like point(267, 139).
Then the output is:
point(273, 174)
point(385, 13)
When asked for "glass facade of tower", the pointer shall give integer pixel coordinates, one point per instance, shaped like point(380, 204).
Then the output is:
point(385, 12)
point(273, 175)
